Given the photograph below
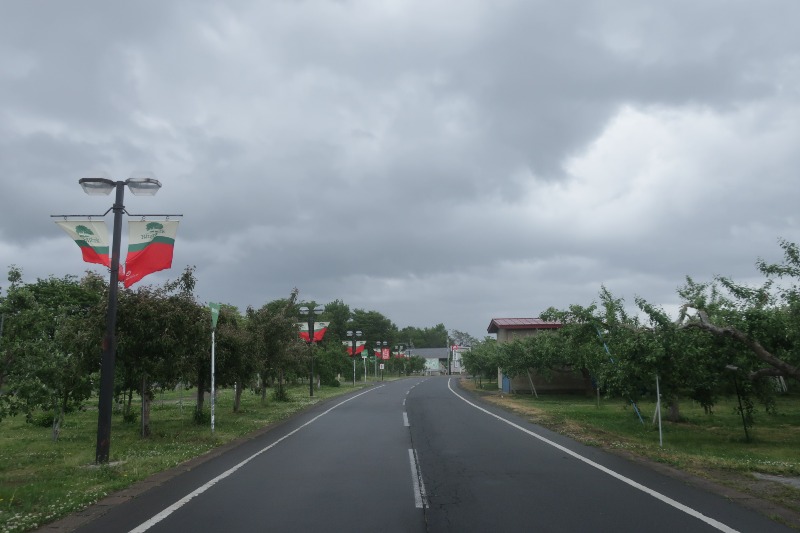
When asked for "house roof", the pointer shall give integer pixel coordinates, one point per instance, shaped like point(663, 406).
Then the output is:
point(431, 353)
point(520, 323)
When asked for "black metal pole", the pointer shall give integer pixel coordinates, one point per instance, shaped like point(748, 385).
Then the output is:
point(353, 355)
point(104, 407)
point(311, 350)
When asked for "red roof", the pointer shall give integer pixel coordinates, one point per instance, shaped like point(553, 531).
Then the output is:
point(521, 323)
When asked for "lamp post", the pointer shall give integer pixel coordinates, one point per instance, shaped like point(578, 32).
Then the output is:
point(141, 184)
point(305, 311)
point(398, 349)
point(353, 335)
point(378, 351)
point(449, 354)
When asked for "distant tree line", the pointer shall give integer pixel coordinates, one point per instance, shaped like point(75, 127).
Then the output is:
point(726, 336)
point(51, 332)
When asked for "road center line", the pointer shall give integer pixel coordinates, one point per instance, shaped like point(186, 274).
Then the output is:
point(405, 419)
point(666, 499)
point(197, 492)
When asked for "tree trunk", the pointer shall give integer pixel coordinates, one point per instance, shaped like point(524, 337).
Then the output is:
point(588, 388)
point(145, 432)
point(58, 419)
point(263, 389)
point(674, 411)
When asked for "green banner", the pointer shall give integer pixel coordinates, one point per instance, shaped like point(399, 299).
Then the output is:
point(214, 314)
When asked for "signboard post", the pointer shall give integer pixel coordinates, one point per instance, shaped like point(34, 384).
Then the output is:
point(214, 316)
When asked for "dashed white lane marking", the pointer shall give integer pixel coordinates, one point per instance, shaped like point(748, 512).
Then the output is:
point(405, 419)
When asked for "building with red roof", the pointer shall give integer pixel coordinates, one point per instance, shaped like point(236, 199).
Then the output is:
point(562, 379)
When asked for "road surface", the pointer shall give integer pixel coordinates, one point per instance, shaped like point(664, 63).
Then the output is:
point(419, 455)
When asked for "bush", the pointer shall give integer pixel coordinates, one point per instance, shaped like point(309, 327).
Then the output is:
point(279, 394)
point(41, 418)
point(331, 381)
point(130, 416)
point(202, 417)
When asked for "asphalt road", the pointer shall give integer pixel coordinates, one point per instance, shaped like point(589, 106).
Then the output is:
point(421, 455)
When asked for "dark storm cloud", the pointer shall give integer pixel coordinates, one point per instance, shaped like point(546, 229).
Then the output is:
point(438, 162)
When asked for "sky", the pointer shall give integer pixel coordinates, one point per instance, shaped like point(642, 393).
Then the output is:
point(444, 161)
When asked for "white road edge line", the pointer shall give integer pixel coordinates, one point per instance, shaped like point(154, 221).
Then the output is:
point(666, 499)
point(420, 497)
point(183, 501)
point(405, 419)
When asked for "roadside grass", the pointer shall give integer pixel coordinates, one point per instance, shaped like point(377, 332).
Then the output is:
point(42, 481)
point(712, 446)
point(700, 439)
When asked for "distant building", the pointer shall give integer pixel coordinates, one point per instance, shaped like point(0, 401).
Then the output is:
point(562, 379)
point(456, 365)
point(435, 359)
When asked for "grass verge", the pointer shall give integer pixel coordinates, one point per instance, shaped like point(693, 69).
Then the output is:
point(42, 481)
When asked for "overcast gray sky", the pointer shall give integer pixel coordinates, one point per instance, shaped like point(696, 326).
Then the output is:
point(436, 161)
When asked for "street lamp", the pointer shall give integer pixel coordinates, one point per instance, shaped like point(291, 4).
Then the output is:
point(354, 334)
point(378, 351)
point(398, 349)
point(305, 311)
point(141, 184)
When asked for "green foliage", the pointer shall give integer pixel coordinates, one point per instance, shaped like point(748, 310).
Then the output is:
point(374, 325)
point(483, 359)
point(50, 344)
point(280, 394)
point(414, 364)
point(330, 361)
point(273, 339)
point(41, 418)
point(129, 416)
point(201, 417)
point(461, 338)
point(435, 337)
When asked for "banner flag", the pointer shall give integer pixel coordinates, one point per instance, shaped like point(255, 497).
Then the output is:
point(319, 330)
point(360, 345)
point(92, 238)
point(214, 313)
point(150, 247)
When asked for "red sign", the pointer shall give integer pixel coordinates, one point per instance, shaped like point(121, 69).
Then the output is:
point(385, 353)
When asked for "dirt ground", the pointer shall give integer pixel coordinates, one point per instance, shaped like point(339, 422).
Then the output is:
point(773, 496)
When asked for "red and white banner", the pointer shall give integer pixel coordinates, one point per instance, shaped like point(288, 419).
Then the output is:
point(92, 238)
point(150, 247)
point(319, 330)
point(360, 346)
